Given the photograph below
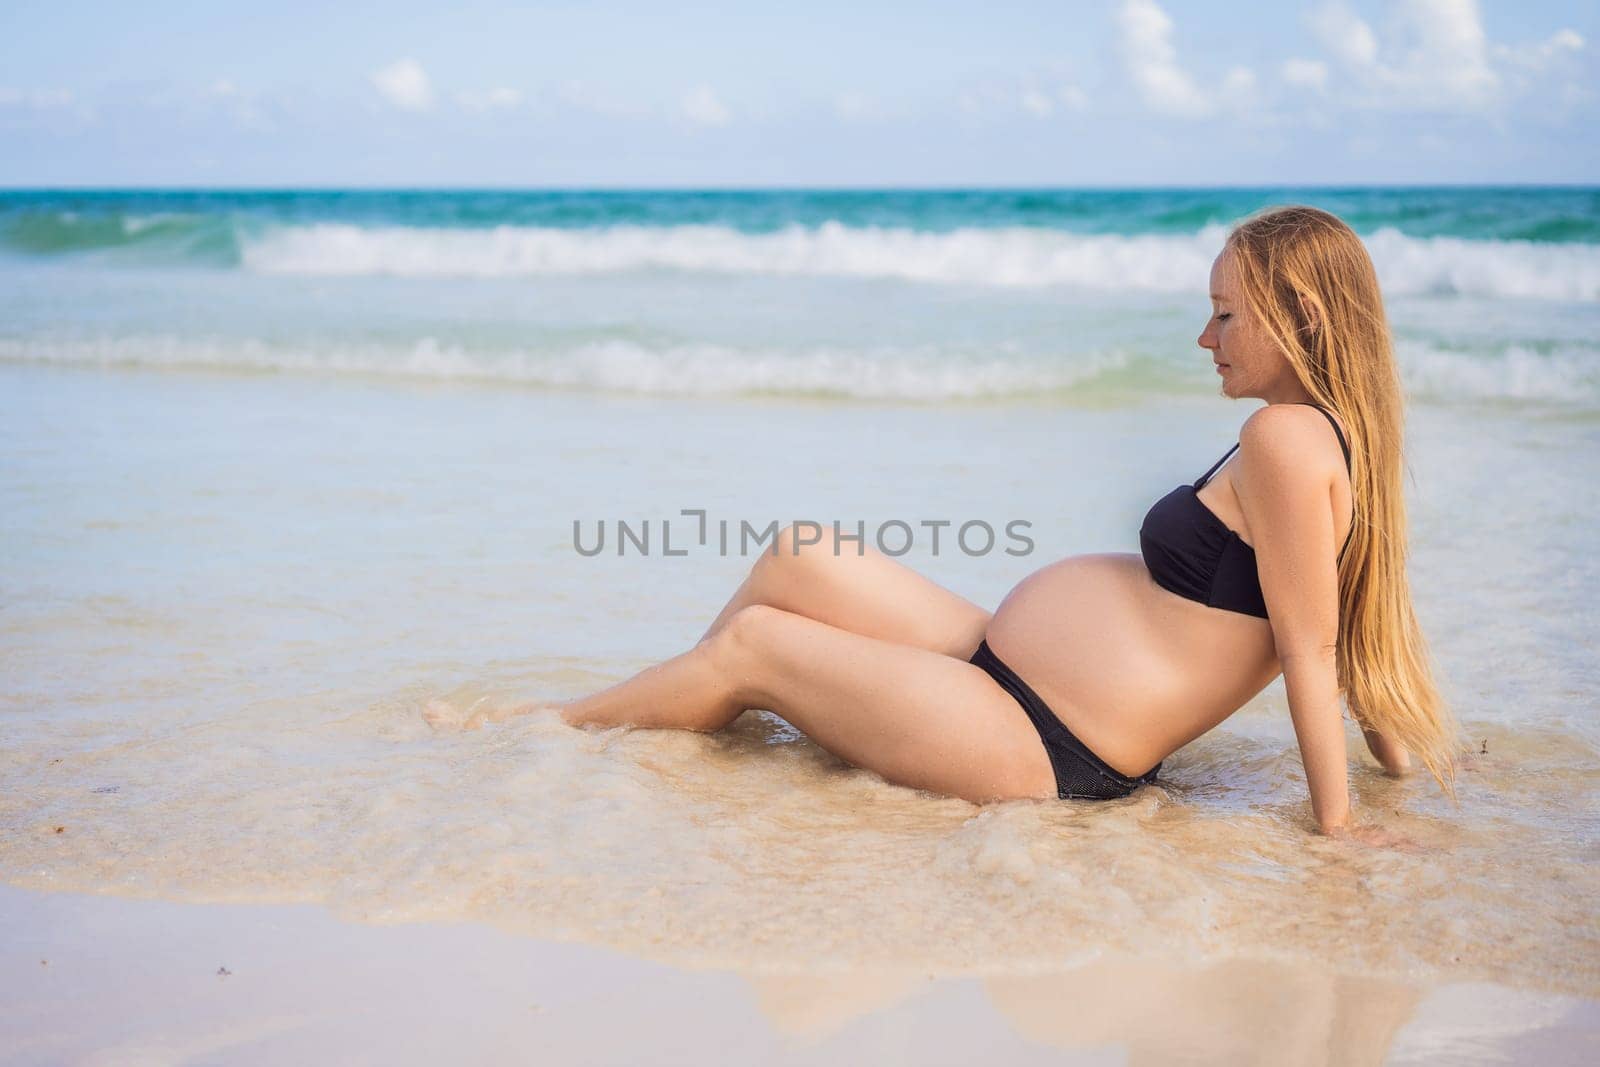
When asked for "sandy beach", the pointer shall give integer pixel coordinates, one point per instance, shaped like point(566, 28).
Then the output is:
point(105, 980)
point(262, 506)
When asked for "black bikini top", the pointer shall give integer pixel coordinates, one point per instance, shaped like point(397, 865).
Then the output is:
point(1191, 552)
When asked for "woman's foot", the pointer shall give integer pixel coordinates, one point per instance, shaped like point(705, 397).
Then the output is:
point(445, 716)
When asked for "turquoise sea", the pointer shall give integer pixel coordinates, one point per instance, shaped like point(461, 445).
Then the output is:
point(277, 468)
point(915, 295)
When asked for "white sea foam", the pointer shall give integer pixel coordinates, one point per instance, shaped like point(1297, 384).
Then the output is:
point(1008, 257)
point(1446, 265)
point(1001, 257)
point(1565, 376)
point(614, 366)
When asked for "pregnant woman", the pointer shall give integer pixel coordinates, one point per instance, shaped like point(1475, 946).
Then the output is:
point(1288, 559)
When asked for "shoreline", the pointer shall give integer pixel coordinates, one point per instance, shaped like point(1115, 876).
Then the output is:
point(100, 979)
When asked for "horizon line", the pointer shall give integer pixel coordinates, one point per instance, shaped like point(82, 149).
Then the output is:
point(755, 188)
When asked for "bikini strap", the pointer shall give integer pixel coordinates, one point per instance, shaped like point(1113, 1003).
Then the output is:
point(1340, 435)
point(1336, 431)
point(1206, 477)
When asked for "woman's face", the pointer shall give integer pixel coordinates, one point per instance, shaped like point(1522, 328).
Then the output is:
point(1249, 363)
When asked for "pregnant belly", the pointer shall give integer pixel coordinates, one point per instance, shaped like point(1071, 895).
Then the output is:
point(1135, 671)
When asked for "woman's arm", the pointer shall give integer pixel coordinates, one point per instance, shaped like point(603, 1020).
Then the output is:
point(1389, 752)
point(1312, 684)
point(1284, 482)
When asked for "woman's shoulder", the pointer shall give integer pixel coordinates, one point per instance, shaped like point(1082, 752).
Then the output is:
point(1292, 441)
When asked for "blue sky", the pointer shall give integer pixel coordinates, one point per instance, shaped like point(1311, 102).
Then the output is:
point(1116, 92)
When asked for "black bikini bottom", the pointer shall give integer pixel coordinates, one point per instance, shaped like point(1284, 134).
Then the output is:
point(1079, 772)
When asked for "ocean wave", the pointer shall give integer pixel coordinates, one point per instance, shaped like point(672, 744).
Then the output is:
point(158, 237)
point(692, 369)
point(988, 256)
point(1007, 257)
point(1019, 257)
point(1563, 377)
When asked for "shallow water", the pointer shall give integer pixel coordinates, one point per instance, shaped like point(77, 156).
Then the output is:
point(299, 985)
point(227, 596)
point(278, 469)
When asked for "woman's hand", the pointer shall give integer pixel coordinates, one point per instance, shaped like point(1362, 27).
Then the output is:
point(1389, 753)
point(1376, 837)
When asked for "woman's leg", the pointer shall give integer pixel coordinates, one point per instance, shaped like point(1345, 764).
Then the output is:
point(865, 592)
point(914, 716)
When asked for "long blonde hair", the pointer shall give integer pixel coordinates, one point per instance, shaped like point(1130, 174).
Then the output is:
point(1308, 279)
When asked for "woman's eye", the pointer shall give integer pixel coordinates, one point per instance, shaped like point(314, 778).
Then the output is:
point(1223, 316)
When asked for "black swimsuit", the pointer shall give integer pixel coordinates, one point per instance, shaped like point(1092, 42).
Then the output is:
point(1188, 551)
point(1079, 772)
point(1193, 553)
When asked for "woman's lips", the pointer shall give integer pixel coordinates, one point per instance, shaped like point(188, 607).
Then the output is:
point(1221, 367)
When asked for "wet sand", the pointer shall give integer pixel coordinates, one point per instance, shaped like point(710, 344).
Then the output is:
point(228, 599)
point(109, 980)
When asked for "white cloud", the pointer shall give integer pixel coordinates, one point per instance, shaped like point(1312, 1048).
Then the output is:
point(57, 108)
point(1151, 58)
point(1537, 57)
point(1040, 94)
point(1038, 104)
point(701, 105)
point(1307, 73)
point(1042, 103)
point(479, 102)
point(978, 100)
point(246, 108)
point(1448, 52)
point(853, 106)
point(1550, 68)
point(1566, 41)
point(1073, 98)
point(405, 85)
point(1343, 33)
point(37, 99)
point(1433, 56)
point(586, 96)
point(1239, 86)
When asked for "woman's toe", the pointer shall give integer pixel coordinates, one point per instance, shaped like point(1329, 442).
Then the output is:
point(441, 715)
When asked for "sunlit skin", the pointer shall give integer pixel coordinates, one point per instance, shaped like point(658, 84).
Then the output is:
point(1248, 363)
point(869, 658)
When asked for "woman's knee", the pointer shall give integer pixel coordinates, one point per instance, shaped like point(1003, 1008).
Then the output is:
point(828, 542)
point(748, 628)
point(740, 648)
point(800, 548)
